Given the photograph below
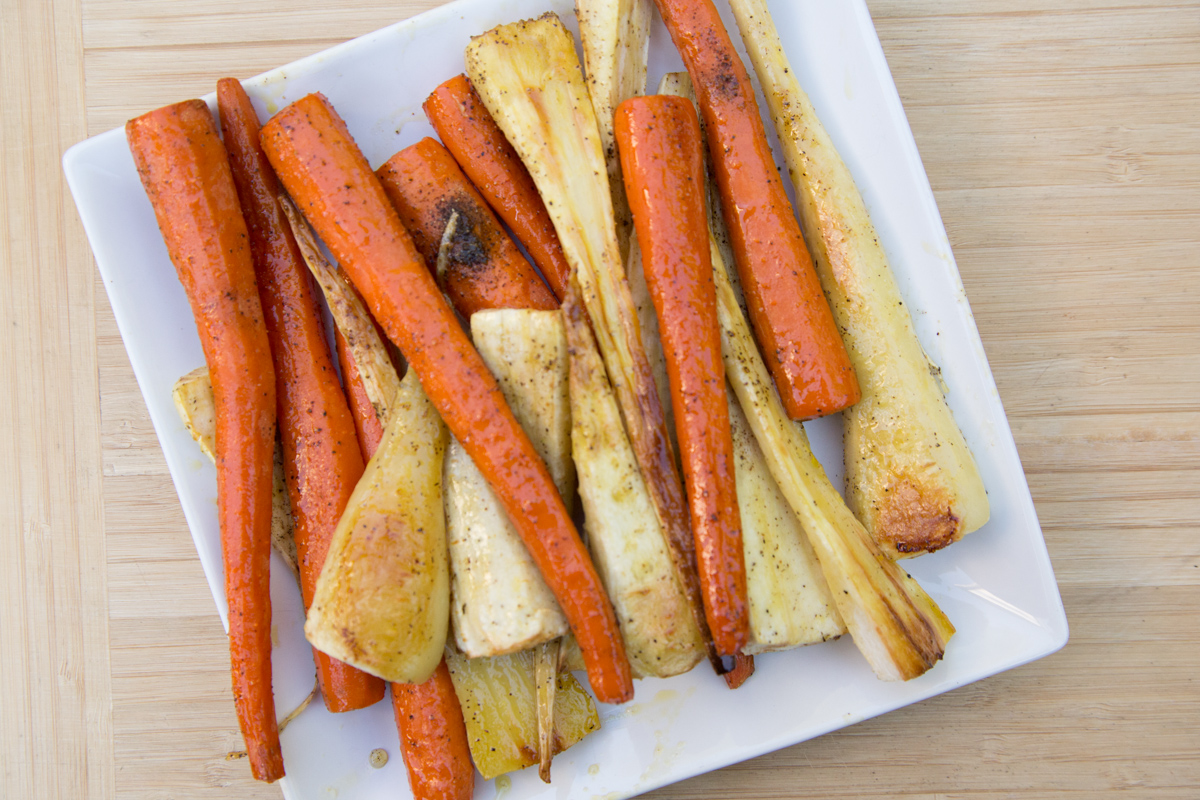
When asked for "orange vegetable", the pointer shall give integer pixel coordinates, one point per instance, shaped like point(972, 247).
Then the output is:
point(792, 321)
point(185, 171)
point(484, 269)
point(317, 161)
point(663, 163)
point(481, 149)
point(433, 738)
point(322, 462)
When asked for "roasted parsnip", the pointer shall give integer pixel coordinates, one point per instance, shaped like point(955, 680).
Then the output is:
point(790, 602)
point(194, 401)
point(897, 626)
point(910, 477)
point(616, 46)
point(660, 632)
point(382, 603)
point(529, 77)
point(501, 603)
point(498, 697)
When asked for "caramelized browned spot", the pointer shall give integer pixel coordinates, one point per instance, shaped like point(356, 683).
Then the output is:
point(913, 521)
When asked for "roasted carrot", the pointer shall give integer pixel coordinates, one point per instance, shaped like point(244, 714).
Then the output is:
point(317, 161)
point(433, 738)
point(662, 160)
point(480, 148)
point(185, 171)
point(792, 320)
point(321, 459)
point(482, 267)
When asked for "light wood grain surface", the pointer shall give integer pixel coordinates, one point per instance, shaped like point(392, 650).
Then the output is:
point(1062, 139)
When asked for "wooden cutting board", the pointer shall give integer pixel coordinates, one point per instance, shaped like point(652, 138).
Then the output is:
point(1062, 139)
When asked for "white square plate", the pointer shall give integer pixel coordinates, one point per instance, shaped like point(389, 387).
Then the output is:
point(996, 586)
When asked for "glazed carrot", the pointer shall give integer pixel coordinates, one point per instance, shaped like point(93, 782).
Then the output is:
point(663, 163)
point(480, 148)
point(317, 161)
point(792, 320)
point(321, 459)
point(185, 171)
point(483, 268)
point(433, 738)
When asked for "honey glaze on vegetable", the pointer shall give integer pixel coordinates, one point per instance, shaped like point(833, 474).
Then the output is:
point(322, 462)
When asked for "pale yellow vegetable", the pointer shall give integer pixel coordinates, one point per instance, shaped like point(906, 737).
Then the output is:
point(910, 477)
point(382, 603)
point(616, 46)
point(193, 395)
point(529, 77)
point(526, 350)
point(501, 603)
point(895, 624)
point(790, 602)
point(627, 545)
point(498, 697)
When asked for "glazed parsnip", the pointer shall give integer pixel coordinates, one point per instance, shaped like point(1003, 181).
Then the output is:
point(910, 477)
point(897, 626)
point(660, 632)
point(194, 401)
point(529, 77)
point(501, 603)
point(382, 603)
point(790, 602)
point(498, 697)
point(616, 46)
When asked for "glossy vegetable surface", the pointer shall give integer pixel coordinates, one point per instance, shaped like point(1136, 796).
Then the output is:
point(791, 319)
point(661, 157)
point(433, 738)
point(910, 476)
point(185, 171)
